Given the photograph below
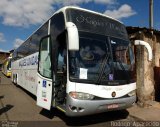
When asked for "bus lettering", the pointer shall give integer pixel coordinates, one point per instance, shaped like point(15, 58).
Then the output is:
point(29, 61)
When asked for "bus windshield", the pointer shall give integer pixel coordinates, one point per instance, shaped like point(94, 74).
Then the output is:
point(99, 59)
point(123, 59)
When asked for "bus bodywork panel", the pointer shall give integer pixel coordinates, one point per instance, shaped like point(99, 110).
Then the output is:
point(25, 70)
point(103, 100)
point(76, 107)
point(105, 92)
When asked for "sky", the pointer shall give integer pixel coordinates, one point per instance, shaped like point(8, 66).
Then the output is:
point(20, 18)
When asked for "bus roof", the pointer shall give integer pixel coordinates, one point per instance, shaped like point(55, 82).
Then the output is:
point(86, 10)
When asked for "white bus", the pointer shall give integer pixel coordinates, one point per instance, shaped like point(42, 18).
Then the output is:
point(79, 61)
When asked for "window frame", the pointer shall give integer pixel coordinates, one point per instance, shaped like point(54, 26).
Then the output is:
point(39, 55)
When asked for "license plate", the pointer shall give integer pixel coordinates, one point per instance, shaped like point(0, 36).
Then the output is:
point(112, 106)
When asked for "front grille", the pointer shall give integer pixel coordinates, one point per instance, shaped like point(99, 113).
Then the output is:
point(100, 98)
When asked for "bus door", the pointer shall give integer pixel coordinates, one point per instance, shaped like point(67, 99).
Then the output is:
point(61, 75)
point(44, 88)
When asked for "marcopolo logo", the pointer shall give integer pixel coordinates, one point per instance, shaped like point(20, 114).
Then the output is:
point(29, 61)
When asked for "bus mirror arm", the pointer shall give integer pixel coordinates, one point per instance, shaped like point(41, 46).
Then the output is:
point(147, 46)
point(73, 37)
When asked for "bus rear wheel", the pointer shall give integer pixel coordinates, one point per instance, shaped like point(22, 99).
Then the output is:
point(15, 79)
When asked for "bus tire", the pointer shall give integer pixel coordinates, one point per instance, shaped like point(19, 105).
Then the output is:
point(15, 79)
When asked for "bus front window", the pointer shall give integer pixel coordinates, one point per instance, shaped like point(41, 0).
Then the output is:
point(85, 64)
point(101, 60)
point(123, 59)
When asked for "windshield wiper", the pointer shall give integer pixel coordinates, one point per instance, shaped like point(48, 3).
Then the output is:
point(121, 65)
point(102, 68)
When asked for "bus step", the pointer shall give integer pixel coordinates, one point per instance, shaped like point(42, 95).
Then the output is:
point(62, 108)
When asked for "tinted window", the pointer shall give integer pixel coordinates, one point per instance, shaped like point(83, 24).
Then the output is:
point(90, 22)
point(31, 45)
point(57, 28)
point(57, 25)
point(45, 59)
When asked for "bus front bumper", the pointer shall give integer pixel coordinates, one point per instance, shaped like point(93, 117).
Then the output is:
point(76, 107)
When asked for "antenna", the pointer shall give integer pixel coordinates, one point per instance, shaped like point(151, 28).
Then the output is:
point(151, 14)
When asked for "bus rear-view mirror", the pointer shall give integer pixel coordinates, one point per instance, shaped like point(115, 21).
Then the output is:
point(73, 37)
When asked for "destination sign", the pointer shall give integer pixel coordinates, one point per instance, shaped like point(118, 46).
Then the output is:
point(91, 22)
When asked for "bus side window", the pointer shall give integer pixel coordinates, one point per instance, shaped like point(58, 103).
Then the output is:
point(44, 58)
point(61, 60)
point(62, 53)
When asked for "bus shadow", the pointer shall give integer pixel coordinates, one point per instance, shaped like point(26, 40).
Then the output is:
point(27, 92)
point(94, 119)
point(86, 120)
point(49, 114)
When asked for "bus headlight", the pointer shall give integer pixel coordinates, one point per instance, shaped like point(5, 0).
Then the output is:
point(132, 93)
point(81, 96)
